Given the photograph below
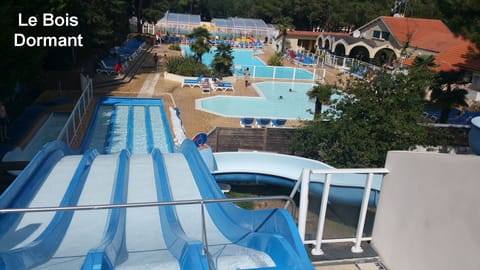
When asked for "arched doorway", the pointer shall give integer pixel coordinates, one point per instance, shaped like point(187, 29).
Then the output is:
point(361, 53)
point(339, 50)
point(327, 45)
point(384, 57)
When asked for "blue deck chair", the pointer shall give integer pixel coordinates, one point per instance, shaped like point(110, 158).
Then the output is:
point(263, 122)
point(279, 122)
point(246, 122)
point(192, 82)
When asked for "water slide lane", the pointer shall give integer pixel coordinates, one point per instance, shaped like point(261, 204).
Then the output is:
point(86, 228)
point(112, 247)
point(100, 126)
point(20, 193)
point(271, 230)
point(62, 187)
point(226, 255)
point(187, 250)
point(118, 139)
point(143, 233)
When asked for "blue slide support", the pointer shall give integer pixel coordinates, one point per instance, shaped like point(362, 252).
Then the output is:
point(20, 193)
point(44, 246)
point(188, 251)
point(271, 230)
point(112, 248)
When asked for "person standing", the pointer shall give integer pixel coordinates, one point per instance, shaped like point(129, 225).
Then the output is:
point(155, 61)
point(246, 76)
point(3, 123)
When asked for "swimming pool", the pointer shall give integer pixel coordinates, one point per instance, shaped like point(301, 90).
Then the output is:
point(244, 58)
point(138, 125)
point(292, 105)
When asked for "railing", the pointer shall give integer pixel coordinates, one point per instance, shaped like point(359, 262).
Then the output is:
point(279, 72)
point(74, 121)
point(202, 202)
point(304, 182)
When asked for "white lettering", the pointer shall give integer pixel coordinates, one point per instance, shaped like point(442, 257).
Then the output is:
point(17, 42)
point(32, 21)
point(49, 41)
point(48, 19)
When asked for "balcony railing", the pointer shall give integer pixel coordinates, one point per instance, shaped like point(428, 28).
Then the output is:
point(304, 183)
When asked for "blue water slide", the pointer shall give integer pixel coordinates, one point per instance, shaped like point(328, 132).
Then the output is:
point(112, 247)
point(20, 192)
point(187, 251)
point(272, 231)
point(45, 245)
point(285, 170)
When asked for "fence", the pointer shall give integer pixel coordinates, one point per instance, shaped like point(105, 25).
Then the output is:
point(76, 116)
point(280, 72)
point(303, 184)
point(222, 139)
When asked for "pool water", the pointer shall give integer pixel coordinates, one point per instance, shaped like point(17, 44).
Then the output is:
point(139, 125)
point(244, 58)
point(292, 105)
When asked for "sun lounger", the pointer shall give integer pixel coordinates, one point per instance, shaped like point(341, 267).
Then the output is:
point(246, 122)
point(192, 82)
point(278, 122)
point(263, 122)
point(221, 86)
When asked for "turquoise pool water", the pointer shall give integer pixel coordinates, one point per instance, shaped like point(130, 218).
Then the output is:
point(292, 105)
point(244, 58)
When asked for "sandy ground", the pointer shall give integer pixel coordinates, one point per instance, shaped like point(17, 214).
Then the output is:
point(173, 94)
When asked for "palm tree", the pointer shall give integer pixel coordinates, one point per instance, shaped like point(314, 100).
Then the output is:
point(446, 100)
point(283, 25)
point(223, 60)
point(321, 94)
point(200, 45)
point(422, 77)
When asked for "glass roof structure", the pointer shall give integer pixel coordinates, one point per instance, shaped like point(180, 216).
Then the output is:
point(240, 27)
point(177, 23)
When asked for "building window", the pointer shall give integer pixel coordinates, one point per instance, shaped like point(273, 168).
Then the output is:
point(385, 35)
point(376, 34)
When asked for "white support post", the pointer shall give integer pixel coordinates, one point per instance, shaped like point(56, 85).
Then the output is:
point(303, 209)
point(294, 73)
point(363, 213)
point(317, 250)
point(274, 72)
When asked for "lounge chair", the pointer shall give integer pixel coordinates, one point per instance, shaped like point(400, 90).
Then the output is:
point(192, 82)
point(263, 122)
point(200, 138)
point(221, 86)
point(205, 86)
point(278, 122)
point(246, 122)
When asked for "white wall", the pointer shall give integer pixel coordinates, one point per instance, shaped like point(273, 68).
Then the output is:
point(429, 212)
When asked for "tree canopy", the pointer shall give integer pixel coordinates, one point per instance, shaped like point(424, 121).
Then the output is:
point(370, 119)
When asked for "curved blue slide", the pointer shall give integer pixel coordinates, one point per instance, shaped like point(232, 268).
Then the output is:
point(286, 170)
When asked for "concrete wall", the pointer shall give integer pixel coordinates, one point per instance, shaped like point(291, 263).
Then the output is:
point(429, 212)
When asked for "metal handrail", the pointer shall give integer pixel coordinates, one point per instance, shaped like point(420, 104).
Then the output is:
point(146, 204)
point(202, 202)
point(73, 124)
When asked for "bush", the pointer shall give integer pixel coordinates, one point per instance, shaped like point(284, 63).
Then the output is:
point(275, 60)
point(185, 66)
point(174, 47)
